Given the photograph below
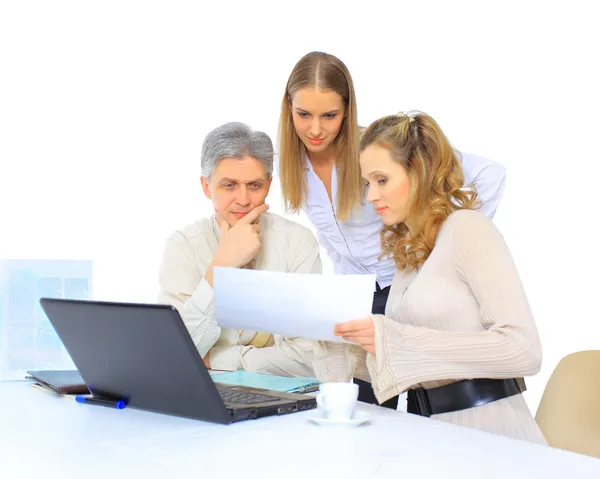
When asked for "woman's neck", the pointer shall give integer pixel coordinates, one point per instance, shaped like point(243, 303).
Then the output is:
point(322, 158)
point(414, 224)
point(411, 227)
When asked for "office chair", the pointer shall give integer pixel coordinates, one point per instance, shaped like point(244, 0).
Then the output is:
point(569, 411)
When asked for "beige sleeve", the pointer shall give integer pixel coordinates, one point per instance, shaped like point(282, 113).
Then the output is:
point(339, 362)
point(289, 356)
point(508, 347)
point(184, 287)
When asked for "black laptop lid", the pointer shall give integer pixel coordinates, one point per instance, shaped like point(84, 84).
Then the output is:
point(138, 352)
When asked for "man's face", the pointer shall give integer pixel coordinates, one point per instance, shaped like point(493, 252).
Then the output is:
point(236, 187)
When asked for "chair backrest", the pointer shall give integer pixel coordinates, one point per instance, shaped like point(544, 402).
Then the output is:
point(569, 412)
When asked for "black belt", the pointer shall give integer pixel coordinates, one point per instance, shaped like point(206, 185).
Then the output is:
point(461, 395)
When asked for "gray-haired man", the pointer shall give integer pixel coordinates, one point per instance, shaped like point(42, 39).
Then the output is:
point(237, 167)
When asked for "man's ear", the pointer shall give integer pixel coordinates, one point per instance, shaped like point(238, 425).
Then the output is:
point(205, 187)
point(269, 184)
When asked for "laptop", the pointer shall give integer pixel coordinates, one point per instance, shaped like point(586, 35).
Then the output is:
point(143, 354)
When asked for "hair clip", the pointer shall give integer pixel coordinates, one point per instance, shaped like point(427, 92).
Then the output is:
point(409, 114)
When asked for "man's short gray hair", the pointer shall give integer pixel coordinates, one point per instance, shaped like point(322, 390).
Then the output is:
point(235, 140)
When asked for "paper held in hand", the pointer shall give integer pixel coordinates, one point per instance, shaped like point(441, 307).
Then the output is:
point(307, 305)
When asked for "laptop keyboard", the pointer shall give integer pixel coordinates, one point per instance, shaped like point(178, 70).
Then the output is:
point(233, 396)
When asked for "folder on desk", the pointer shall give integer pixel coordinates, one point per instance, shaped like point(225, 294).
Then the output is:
point(267, 381)
point(59, 381)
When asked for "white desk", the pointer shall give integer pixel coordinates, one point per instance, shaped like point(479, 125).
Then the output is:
point(46, 436)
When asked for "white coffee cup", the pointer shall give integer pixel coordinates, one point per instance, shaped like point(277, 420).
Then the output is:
point(338, 400)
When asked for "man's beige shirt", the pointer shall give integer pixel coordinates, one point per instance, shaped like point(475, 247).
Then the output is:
point(286, 247)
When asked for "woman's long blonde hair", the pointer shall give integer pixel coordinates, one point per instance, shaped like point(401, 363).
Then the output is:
point(326, 72)
point(436, 177)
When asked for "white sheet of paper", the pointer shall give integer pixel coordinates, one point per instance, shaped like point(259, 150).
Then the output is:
point(307, 305)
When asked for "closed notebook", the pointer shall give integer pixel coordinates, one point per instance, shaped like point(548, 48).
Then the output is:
point(267, 381)
point(59, 381)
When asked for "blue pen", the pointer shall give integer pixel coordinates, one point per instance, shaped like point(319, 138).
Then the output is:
point(101, 402)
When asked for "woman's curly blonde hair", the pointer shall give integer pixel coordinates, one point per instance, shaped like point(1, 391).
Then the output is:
point(436, 182)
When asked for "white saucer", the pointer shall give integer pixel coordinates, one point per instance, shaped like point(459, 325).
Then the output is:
point(358, 418)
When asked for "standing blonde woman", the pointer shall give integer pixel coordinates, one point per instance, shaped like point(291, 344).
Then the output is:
point(457, 332)
point(320, 174)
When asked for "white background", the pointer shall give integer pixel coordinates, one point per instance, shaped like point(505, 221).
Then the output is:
point(104, 105)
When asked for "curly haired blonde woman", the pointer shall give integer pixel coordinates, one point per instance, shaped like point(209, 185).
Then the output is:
point(458, 332)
